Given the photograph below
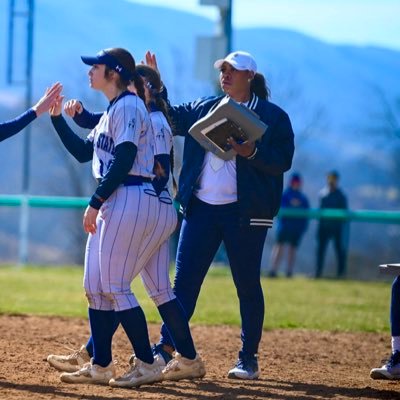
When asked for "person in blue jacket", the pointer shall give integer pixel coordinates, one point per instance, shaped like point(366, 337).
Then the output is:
point(13, 126)
point(233, 201)
point(290, 230)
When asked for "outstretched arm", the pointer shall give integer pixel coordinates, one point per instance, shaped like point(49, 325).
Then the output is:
point(12, 127)
point(81, 149)
point(82, 117)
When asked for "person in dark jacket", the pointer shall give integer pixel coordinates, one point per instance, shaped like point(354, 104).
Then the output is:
point(290, 230)
point(332, 197)
point(233, 201)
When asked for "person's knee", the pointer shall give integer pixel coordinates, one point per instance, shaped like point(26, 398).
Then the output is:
point(251, 291)
point(98, 301)
point(162, 297)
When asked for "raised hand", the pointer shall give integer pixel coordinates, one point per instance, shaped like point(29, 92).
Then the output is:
point(73, 106)
point(48, 99)
point(151, 60)
point(56, 108)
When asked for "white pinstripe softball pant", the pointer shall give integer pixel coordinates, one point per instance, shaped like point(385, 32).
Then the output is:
point(132, 234)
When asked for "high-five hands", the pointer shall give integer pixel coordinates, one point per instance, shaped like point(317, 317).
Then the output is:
point(47, 101)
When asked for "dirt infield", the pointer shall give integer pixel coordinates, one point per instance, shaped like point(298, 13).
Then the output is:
point(295, 364)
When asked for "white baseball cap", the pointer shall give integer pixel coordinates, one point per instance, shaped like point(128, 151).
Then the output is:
point(240, 60)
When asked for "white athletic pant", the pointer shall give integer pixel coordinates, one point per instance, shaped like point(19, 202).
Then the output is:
point(132, 234)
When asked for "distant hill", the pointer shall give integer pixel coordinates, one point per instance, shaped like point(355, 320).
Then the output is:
point(335, 95)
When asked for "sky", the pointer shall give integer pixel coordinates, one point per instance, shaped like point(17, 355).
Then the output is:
point(356, 22)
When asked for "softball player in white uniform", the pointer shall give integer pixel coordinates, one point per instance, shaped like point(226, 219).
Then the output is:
point(151, 259)
point(122, 232)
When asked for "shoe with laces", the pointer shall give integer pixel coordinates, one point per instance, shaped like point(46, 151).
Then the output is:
point(390, 370)
point(246, 367)
point(140, 373)
point(184, 368)
point(70, 363)
point(90, 373)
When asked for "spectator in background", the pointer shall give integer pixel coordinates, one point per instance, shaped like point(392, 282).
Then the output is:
point(332, 197)
point(290, 230)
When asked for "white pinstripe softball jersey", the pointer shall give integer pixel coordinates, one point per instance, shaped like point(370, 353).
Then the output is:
point(126, 120)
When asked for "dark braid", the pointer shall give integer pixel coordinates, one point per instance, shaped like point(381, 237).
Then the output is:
point(162, 105)
point(139, 86)
point(259, 87)
point(154, 84)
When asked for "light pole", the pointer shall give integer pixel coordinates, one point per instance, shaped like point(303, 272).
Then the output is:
point(22, 12)
point(210, 48)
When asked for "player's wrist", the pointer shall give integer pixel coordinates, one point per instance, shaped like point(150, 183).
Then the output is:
point(96, 201)
point(252, 156)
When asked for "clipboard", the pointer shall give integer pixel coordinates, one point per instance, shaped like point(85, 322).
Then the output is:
point(391, 269)
point(227, 119)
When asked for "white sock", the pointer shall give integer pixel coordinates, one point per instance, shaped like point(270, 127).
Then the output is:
point(395, 343)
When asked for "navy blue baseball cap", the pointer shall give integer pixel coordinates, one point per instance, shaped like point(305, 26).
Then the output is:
point(103, 57)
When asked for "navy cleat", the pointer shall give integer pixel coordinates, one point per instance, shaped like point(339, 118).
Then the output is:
point(246, 367)
point(160, 349)
point(390, 370)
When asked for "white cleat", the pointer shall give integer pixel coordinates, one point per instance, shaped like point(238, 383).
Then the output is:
point(70, 363)
point(184, 368)
point(90, 373)
point(140, 373)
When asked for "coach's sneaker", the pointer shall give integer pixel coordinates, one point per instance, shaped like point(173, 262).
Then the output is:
point(390, 370)
point(184, 368)
point(71, 363)
point(140, 373)
point(90, 373)
point(246, 367)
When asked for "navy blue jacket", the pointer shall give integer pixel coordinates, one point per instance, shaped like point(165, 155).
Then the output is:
point(293, 199)
point(10, 128)
point(259, 180)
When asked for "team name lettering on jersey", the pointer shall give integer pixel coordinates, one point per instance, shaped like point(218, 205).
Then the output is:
point(105, 143)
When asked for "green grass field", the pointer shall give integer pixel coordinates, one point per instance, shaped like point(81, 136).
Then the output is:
point(297, 303)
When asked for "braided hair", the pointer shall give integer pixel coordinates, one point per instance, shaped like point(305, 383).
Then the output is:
point(154, 85)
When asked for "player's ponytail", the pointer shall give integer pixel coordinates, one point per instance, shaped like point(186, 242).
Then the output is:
point(139, 86)
point(259, 87)
point(154, 85)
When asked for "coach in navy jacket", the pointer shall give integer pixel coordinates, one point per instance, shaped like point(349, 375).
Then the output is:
point(259, 178)
point(232, 201)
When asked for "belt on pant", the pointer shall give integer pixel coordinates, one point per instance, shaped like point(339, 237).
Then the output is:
point(133, 180)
